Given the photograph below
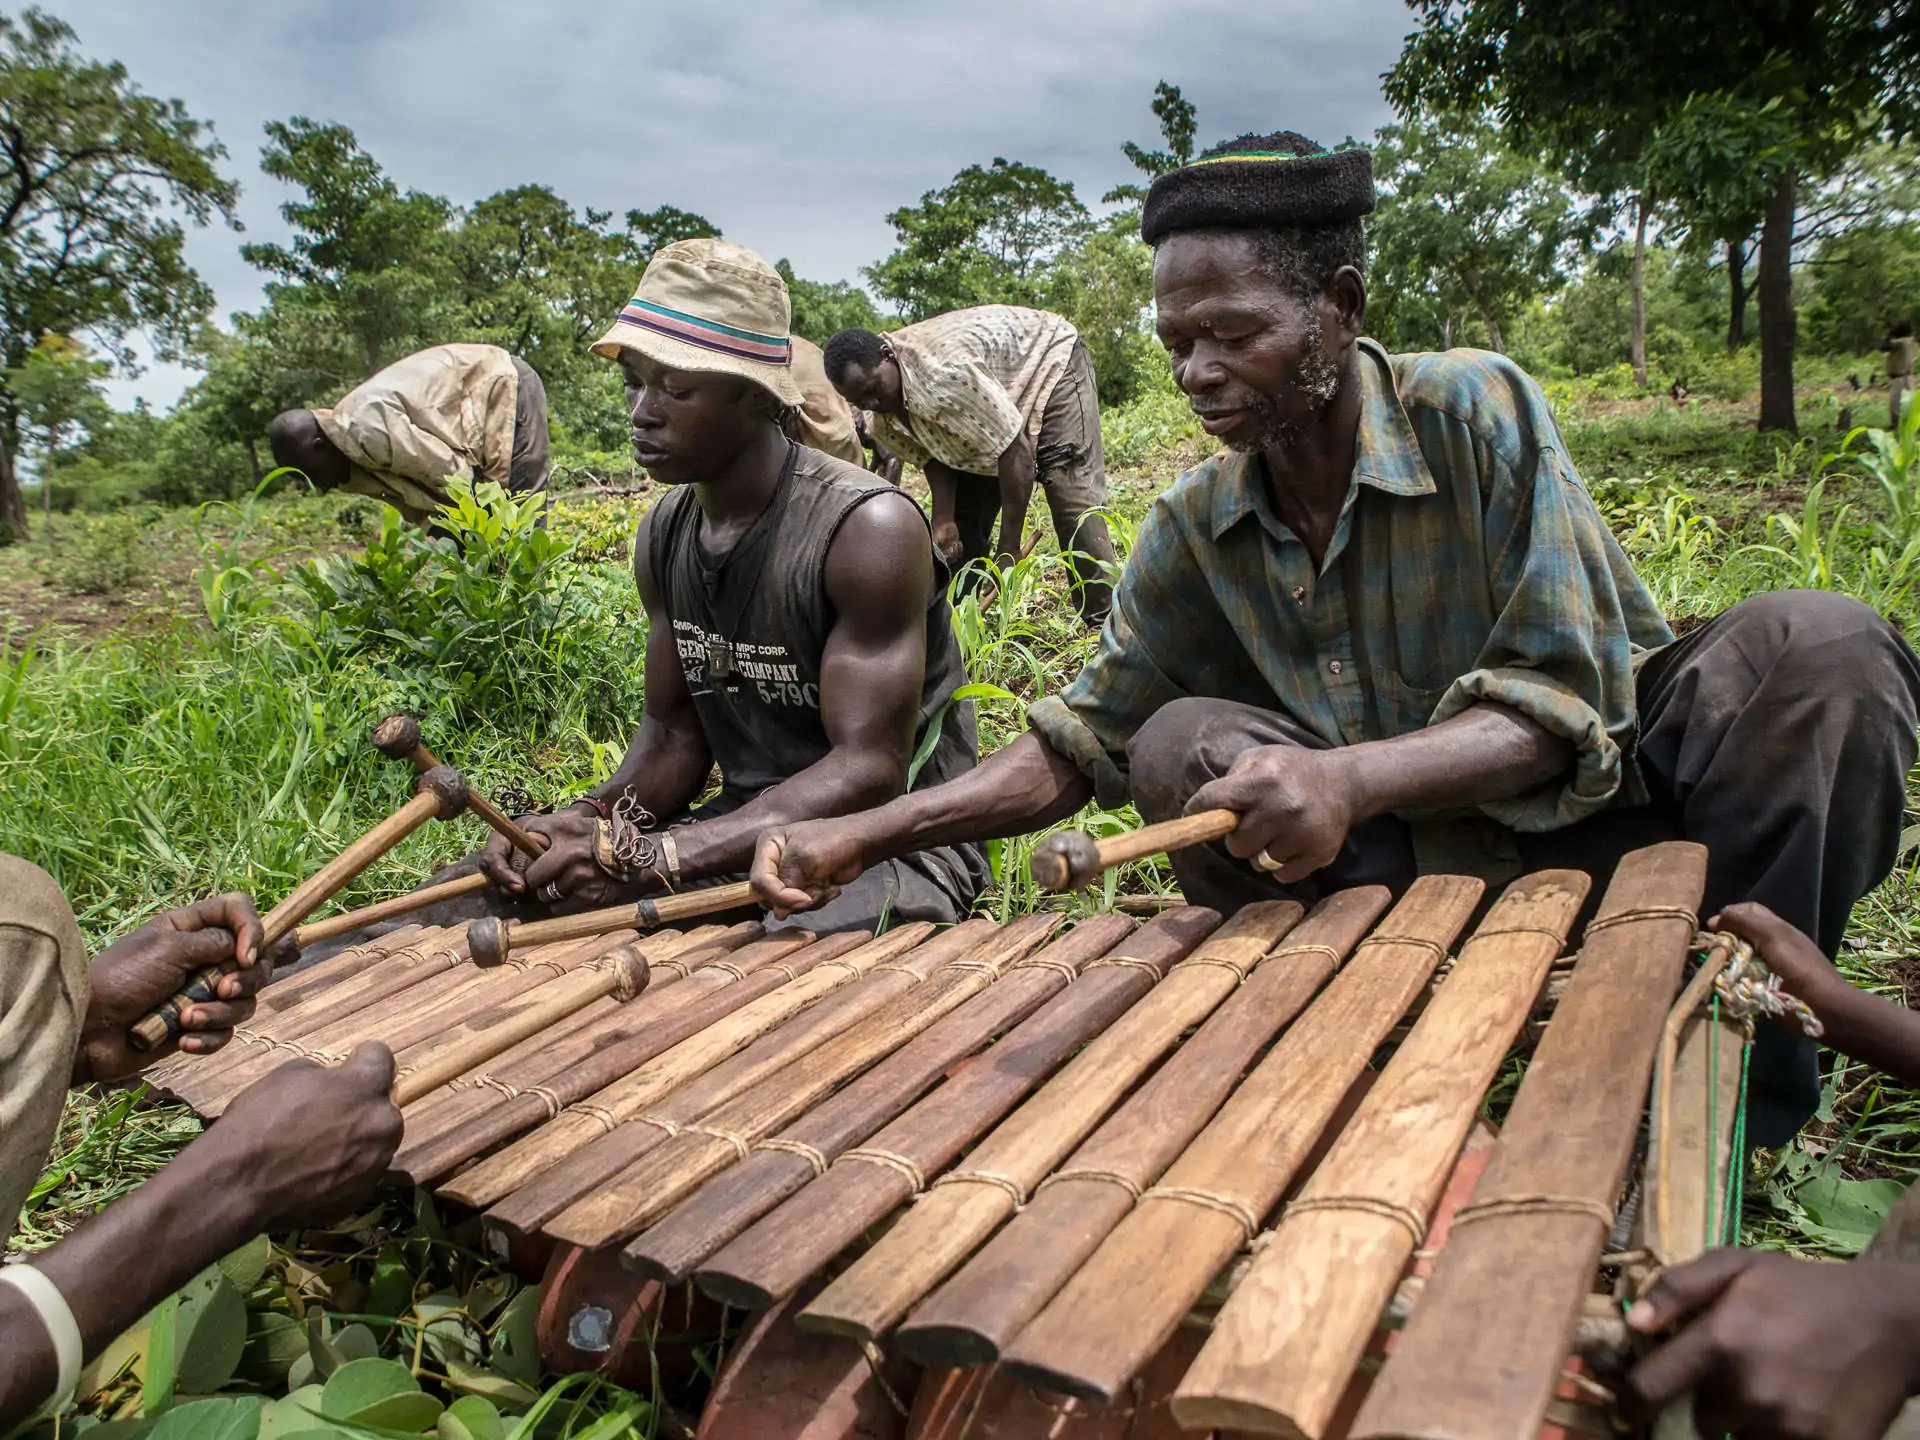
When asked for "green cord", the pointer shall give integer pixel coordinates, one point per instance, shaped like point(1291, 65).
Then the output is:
point(1725, 1228)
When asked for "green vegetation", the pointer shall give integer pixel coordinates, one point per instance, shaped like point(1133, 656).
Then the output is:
point(192, 650)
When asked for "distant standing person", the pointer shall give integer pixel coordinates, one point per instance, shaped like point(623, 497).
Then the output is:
point(988, 401)
point(1901, 354)
point(452, 412)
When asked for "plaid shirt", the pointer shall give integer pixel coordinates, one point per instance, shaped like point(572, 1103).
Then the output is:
point(1469, 564)
point(973, 380)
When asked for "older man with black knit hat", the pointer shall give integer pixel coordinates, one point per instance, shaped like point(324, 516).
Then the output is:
point(1389, 628)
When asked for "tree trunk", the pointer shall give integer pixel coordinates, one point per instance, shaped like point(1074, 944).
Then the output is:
point(1637, 344)
point(1736, 294)
point(1495, 340)
point(1775, 290)
point(13, 505)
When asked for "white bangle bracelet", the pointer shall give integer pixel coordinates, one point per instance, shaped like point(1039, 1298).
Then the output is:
point(51, 1306)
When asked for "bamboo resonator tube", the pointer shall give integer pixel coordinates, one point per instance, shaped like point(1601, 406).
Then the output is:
point(1073, 859)
point(398, 738)
point(491, 940)
point(442, 795)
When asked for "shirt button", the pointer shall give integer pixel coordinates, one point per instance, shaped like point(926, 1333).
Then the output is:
point(1334, 666)
point(1299, 592)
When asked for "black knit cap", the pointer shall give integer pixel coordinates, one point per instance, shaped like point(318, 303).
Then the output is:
point(1260, 182)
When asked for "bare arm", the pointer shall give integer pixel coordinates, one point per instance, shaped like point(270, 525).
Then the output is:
point(1026, 786)
point(1866, 1027)
point(304, 1144)
point(1016, 492)
point(1298, 805)
point(941, 486)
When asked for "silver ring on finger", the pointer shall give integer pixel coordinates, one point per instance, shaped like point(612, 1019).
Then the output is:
point(1264, 862)
point(549, 892)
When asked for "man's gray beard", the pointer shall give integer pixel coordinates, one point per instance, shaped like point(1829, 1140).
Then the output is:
point(1317, 384)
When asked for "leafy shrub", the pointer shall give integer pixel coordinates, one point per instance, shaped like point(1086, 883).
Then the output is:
point(97, 556)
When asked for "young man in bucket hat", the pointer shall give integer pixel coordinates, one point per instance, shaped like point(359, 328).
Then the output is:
point(798, 630)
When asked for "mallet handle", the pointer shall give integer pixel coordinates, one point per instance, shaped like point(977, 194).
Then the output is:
point(642, 915)
point(423, 761)
point(164, 1023)
point(348, 920)
point(1200, 829)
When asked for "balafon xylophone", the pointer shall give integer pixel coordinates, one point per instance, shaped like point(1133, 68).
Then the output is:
point(1042, 1147)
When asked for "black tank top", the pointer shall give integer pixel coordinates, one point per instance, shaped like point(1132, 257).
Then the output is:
point(750, 627)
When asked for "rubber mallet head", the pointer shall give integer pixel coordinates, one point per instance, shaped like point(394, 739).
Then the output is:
point(1066, 860)
point(398, 738)
point(487, 941)
point(449, 787)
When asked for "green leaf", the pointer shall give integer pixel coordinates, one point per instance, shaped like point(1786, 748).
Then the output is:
point(359, 1385)
point(225, 1418)
point(502, 1390)
point(156, 1387)
point(393, 1283)
point(276, 1342)
point(291, 1414)
point(471, 1418)
point(1847, 1213)
point(449, 1334)
point(356, 1342)
point(213, 1333)
point(516, 1339)
point(244, 1267)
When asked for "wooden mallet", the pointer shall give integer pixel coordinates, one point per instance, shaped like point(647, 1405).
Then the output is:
point(398, 738)
point(350, 920)
point(491, 940)
point(1073, 859)
point(442, 794)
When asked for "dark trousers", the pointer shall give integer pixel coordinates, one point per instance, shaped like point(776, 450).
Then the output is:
point(1779, 735)
point(1072, 473)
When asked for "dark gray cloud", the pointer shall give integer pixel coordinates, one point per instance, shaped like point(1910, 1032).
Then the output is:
point(794, 126)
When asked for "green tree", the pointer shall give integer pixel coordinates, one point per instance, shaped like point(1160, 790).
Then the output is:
point(1103, 283)
point(649, 230)
point(821, 308)
point(57, 389)
point(1757, 94)
point(1178, 124)
point(1466, 228)
point(95, 178)
point(368, 262)
point(986, 237)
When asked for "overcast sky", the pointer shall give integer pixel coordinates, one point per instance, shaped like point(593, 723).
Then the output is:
point(795, 127)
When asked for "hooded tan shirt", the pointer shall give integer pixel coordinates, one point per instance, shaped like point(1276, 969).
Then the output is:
point(441, 414)
point(825, 421)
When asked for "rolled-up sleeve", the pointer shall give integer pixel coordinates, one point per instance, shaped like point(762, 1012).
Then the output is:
point(1561, 649)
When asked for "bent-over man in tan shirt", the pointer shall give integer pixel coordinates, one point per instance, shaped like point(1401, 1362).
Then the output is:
point(451, 412)
point(987, 401)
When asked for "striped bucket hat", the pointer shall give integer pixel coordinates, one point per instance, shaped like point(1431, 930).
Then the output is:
point(710, 306)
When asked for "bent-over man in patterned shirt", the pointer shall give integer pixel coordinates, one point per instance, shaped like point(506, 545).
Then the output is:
point(987, 401)
point(1389, 628)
